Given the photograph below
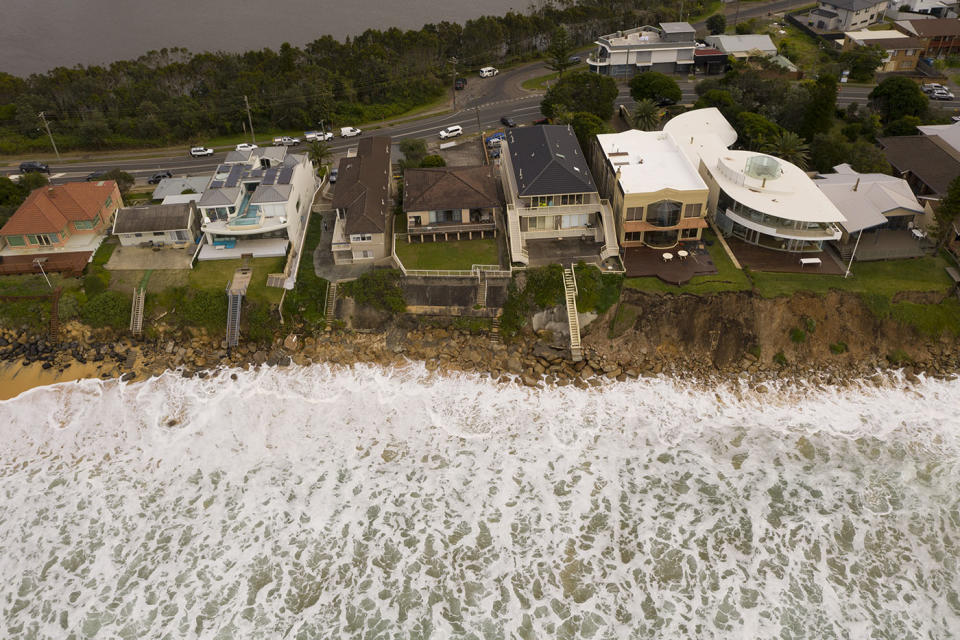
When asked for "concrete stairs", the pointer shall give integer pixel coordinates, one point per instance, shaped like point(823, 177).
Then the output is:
point(495, 330)
point(330, 305)
point(482, 292)
point(573, 320)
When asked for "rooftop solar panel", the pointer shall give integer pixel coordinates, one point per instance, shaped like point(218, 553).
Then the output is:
point(216, 184)
point(285, 175)
point(269, 177)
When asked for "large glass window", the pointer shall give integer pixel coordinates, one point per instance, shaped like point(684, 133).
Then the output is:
point(16, 241)
point(692, 210)
point(661, 239)
point(665, 213)
point(575, 221)
point(445, 216)
point(634, 213)
point(633, 236)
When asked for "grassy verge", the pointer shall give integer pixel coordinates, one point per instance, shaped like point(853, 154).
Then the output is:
point(540, 83)
point(454, 254)
point(710, 9)
point(217, 274)
point(801, 48)
point(305, 303)
point(728, 278)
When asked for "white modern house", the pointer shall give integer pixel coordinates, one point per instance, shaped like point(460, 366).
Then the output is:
point(846, 15)
point(668, 48)
point(256, 203)
point(760, 199)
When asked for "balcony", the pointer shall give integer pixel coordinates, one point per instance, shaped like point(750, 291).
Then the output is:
point(822, 230)
point(597, 62)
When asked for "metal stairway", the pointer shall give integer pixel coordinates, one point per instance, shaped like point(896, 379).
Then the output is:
point(482, 291)
point(235, 293)
point(573, 320)
point(330, 304)
point(136, 312)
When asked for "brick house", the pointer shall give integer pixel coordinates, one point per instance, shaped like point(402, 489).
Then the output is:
point(67, 217)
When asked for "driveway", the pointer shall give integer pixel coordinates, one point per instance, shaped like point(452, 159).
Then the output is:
point(323, 264)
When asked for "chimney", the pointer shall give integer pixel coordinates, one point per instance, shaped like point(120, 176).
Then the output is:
point(856, 185)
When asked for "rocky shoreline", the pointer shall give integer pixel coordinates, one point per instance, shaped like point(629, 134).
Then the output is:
point(531, 360)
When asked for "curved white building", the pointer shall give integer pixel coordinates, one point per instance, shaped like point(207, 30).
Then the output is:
point(755, 197)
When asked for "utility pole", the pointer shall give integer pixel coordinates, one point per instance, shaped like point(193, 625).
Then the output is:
point(47, 125)
point(253, 136)
point(477, 111)
point(736, 19)
point(453, 61)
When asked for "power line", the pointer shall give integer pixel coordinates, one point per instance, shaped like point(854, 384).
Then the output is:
point(47, 126)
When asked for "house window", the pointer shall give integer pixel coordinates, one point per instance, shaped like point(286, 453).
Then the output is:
point(298, 204)
point(16, 241)
point(537, 222)
point(42, 239)
point(569, 222)
point(138, 235)
point(665, 213)
point(364, 254)
point(361, 237)
point(692, 210)
point(181, 236)
point(909, 52)
point(634, 213)
point(158, 234)
point(445, 216)
point(81, 225)
point(688, 234)
point(106, 205)
point(633, 236)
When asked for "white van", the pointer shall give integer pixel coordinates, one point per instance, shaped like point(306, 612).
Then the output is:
point(488, 72)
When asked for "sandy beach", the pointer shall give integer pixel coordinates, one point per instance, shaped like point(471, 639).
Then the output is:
point(15, 378)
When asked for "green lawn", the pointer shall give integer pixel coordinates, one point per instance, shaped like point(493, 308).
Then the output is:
point(216, 274)
point(804, 50)
point(729, 277)
point(455, 254)
point(541, 82)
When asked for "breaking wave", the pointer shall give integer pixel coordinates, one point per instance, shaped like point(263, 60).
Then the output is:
point(365, 502)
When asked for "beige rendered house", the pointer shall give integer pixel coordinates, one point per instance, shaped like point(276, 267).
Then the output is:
point(364, 204)
point(451, 203)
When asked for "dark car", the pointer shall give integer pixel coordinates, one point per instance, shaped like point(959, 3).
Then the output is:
point(32, 166)
point(333, 176)
point(97, 175)
point(575, 59)
point(665, 102)
point(157, 177)
point(507, 121)
point(542, 121)
point(460, 83)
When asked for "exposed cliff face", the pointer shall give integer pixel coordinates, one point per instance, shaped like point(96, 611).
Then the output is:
point(727, 331)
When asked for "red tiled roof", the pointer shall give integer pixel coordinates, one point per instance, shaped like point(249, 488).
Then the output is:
point(49, 209)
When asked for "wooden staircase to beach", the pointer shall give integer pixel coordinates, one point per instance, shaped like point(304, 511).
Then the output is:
point(330, 304)
point(136, 312)
point(573, 320)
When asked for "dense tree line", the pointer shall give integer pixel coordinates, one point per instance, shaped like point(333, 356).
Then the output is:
point(174, 95)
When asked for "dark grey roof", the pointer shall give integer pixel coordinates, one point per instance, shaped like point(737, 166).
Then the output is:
point(824, 13)
point(677, 27)
point(157, 217)
point(363, 187)
point(852, 5)
point(176, 186)
point(547, 160)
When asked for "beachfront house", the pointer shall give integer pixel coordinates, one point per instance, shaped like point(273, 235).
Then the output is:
point(68, 217)
point(846, 15)
point(446, 203)
point(554, 211)
point(158, 225)
point(363, 201)
point(658, 198)
point(755, 198)
point(257, 203)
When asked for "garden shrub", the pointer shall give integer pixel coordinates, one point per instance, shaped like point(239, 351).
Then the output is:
point(596, 291)
point(798, 336)
point(379, 289)
point(107, 309)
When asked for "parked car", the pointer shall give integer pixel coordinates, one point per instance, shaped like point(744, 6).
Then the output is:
point(285, 141)
point(664, 102)
point(930, 87)
point(507, 121)
point(333, 175)
point(575, 59)
point(460, 83)
point(32, 166)
point(494, 153)
point(349, 132)
point(488, 72)
point(941, 94)
point(317, 136)
point(496, 139)
point(451, 131)
point(157, 177)
point(246, 146)
point(199, 152)
point(97, 175)
point(542, 121)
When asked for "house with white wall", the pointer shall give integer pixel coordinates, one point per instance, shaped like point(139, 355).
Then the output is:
point(668, 48)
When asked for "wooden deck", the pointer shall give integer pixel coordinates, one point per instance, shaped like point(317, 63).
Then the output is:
point(760, 259)
point(70, 263)
point(643, 262)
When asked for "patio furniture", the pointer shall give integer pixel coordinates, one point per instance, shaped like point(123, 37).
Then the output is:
point(919, 234)
point(682, 254)
point(667, 257)
point(805, 261)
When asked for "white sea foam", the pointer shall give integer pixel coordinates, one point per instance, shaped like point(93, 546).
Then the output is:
point(364, 502)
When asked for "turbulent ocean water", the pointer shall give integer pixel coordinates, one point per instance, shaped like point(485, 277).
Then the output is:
point(372, 503)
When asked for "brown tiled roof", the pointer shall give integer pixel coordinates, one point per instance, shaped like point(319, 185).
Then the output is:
point(363, 187)
point(922, 156)
point(49, 209)
point(450, 188)
point(896, 43)
point(935, 27)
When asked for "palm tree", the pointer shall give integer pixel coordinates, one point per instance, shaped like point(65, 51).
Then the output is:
point(646, 116)
point(319, 153)
point(788, 146)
